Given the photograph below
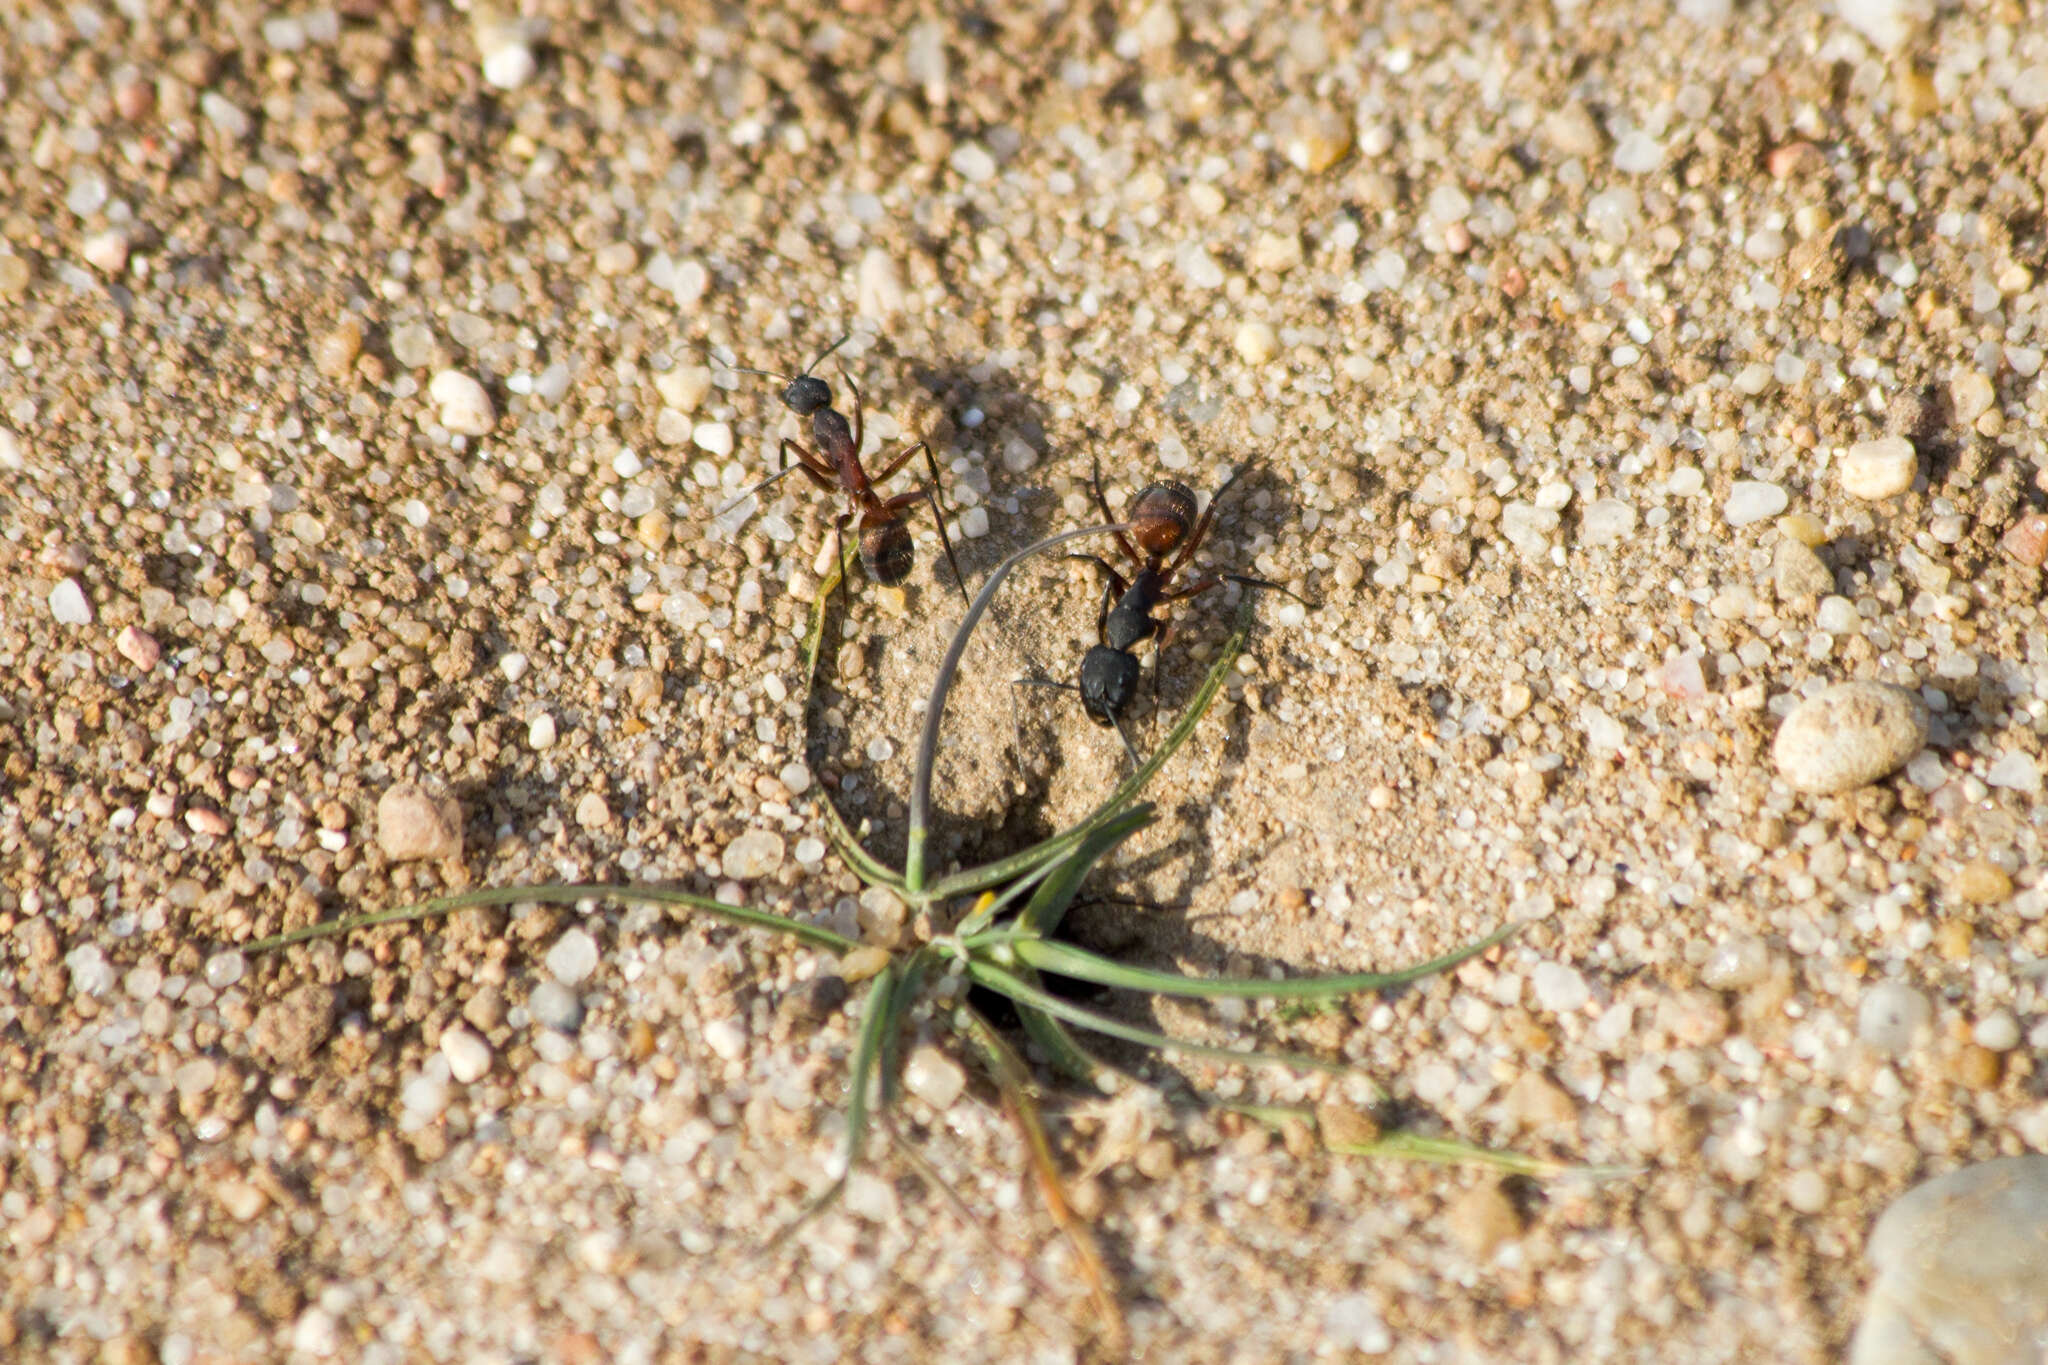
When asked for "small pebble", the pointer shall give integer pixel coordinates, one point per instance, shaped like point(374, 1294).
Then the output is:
point(1799, 573)
point(1849, 735)
point(1256, 342)
point(1961, 1267)
point(1737, 963)
point(1980, 882)
point(1892, 1016)
point(753, 855)
point(573, 958)
point(239, 1199)
point(469, 1057)
point(1481, 1219)
point(202, 820)
point(1971, 395)
point(106, 252)
point(462, 404)
point(2027, 540)
point(506, 48)
point(1883, 468)
point(1752, 501)
point(592, 812)
point(69, 605)
point(714, 438)
point(415, 824)
point(139, 647)
point(1559, 989)
point(1997, 1031)
point(540, 733)
point(553, 1005)
point(335, 352)
point(934, 1077)
point(726, 1036)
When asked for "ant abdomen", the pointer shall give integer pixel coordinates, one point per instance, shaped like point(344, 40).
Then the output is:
point(886, 552)
point(1161, 515)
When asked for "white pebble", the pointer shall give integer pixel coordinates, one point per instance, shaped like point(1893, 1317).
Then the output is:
point(69, 605)
point(541, 733)
point(1607, 521)
point(974, 523)
point(2016, 771)
point(469, 1057)
point(1737, 963)
point(1849, 736)
point(1559, 989)
point(513, 666)
point(1751, 501)
point(1998, 1031)
point(714, 438)
point(755, 854)
point(463, 405)
point(1891, 1016)
point(1637, 153)
point(555, 1006)
point(934, 1077)
point(573, 958)
point(973, 163)
point(727, 1037)
point(1883, 468)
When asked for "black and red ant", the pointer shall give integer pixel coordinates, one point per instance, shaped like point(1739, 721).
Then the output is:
point(1164, 535)
point(883, 524)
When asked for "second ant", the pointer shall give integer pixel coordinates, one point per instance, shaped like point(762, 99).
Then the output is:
point(834, 464)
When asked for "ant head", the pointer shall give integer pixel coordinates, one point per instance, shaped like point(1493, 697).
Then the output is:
point(1161, 515)
point(806, 394)
point(886, 552)
point(1109, 679)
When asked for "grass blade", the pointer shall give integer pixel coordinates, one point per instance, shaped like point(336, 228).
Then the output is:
point(879, 1016)
point(1023, 992)
point(935, 707)
point(1064, 959)
point(1048, 904)
point(979, 878)
point(1401, 1145)
point(1062, 1053)
point(1014, 1081)
point(557, 893)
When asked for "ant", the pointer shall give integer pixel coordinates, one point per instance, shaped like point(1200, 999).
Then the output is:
point(1164, 535)
point(883, 523)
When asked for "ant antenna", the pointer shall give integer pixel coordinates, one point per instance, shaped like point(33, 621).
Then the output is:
point(1114, 719)
point(776, 374)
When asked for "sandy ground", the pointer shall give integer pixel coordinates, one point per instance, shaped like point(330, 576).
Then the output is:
point(1550, 328)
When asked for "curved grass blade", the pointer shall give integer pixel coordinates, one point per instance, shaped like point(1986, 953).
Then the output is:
point(815, 638)
point(1014, 1081)
point(1064, 959)
point(557, 893)
point(1048, 904)
point(987, 974)
point(942, 683)
point(978, 878)
point(864, 864)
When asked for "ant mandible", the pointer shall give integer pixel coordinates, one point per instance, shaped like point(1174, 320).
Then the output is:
point(883, 523)
point(1164, 535)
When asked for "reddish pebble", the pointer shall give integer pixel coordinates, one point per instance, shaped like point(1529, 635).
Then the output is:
point(2027, 541)
point(1457, 239)
point(1792, 158)
point(203, 821)
point(139, 647)
point(1513, 282)
point(133, 100)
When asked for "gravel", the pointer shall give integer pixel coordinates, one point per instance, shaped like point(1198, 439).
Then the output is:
point(1576, 314)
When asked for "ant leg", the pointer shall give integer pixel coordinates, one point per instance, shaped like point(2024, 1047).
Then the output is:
point(788, 467)
point(1117, 586)
point(1129, 747)
point(1251, 582)
point(859, 424)
point(839, 550)
point(1095, 485)
point(929, 493)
